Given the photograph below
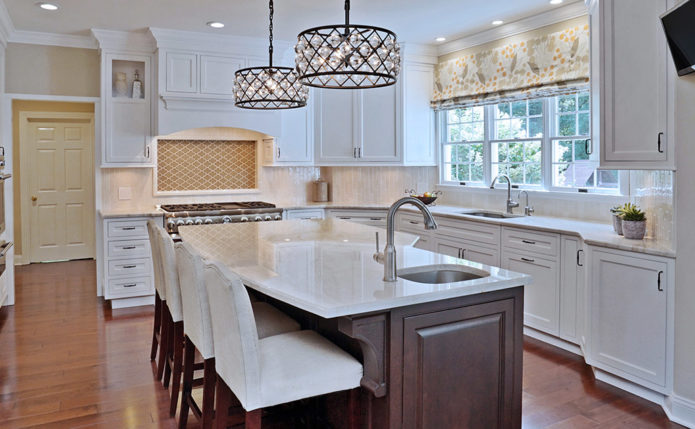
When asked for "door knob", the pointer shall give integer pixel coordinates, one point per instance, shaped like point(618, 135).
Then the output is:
point(33, 198)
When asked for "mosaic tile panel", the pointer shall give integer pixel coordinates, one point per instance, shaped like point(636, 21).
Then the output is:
point(206, 165)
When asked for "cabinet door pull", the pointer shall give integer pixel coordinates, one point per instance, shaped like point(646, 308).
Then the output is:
point(359, 152)
point(147, 152)
point(578, 263)
point(128, 228)
point(129, 247)
point(278, 152)
point(463, 253)
point(130, 285)
point(658, 281)
point(376, 218)
point(588, 149)
point(658, 143)
point(528, 241)
point(354, 152)
point(345, 217)
point(459, 253)
point(528, 260)
point(127, 267)
point(414, 222)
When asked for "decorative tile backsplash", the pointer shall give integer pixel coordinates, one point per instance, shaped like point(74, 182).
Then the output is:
point(206, 165)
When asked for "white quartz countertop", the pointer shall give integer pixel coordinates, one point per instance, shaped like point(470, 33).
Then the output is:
point(326, 267)
point(138, 212)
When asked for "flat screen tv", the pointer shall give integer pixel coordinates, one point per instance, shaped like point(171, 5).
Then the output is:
point(679, 26)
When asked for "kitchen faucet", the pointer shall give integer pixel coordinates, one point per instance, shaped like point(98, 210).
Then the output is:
point(527, 208)
point(510, 203)
point(389, 254)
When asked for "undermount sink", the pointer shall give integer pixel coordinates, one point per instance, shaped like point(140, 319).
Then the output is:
point(493, 215)
point(441, 274)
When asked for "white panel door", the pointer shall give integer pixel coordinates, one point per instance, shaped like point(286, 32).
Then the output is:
point(60, 177)
point(335, 137)
point(542, 296)
point(633, 92)
point(628, 314)
point(377, 125)
point(296, 144)
point(182, 72)
point(217, 74)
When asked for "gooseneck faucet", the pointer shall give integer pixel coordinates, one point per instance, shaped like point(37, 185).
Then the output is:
point(510, 202)
point(389, 255)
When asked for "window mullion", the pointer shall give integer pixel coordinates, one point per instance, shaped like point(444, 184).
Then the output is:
point(487, 149)
point(546, 146)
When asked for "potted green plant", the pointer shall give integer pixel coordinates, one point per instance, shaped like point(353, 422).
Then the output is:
point(634, 222)
point(617, 220)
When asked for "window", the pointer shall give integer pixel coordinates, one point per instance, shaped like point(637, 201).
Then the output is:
point(539, 143)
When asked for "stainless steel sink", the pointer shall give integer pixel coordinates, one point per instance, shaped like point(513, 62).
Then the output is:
point(493, 215)
point(441, 274)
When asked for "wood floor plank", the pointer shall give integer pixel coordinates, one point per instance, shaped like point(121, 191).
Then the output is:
point(68, 361)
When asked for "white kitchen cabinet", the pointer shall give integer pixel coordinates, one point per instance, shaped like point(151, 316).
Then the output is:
point(377, 125)
point(417, 123)
point(364, 217)
point(217, 74)
point(304, 214)
point(632, 85)
point(181, 72)
point(127, 133)
point(572, 290)
point(336, 140)
point(295, 145)
point(542, 296)
point(468, 250)
point(631, 316)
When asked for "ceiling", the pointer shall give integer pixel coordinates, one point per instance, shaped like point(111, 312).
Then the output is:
point(415, 21)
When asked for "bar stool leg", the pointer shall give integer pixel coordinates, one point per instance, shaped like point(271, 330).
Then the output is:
point(157, 325)
point(164, 342)
point(253, 419)
point(188, 364)
point(176, 367)
point(224, 401)
point(209, 379)
point(354, 418)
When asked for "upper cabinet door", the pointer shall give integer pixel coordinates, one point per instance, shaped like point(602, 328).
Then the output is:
point(336, 139)
point(182, 72)
point(418, 117)
point(217, 74)
point(632, 85)
point(378, 124)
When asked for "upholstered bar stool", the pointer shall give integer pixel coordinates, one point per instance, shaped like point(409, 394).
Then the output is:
point(160, 330)
point(198, 333)
point(275, 370)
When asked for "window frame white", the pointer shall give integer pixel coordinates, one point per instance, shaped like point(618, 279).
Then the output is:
point(549, 113)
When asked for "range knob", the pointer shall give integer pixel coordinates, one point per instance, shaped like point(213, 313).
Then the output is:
point(258, 219)
point(268, 218)
point(278, 217)
point(199, 221)
point(208, 221)
point(189, 222)
point(227, 219)
point(244, 219)
point(171, 222)
point(180, 222)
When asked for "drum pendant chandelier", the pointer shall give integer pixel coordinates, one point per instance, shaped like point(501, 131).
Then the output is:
point(347, 56)
point(269, 88)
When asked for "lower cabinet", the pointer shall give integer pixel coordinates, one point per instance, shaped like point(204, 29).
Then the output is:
point(468, 250)
point(374, 217)
point(542, 296)
point(631, 316)
point(572, 290)
point(304, 214)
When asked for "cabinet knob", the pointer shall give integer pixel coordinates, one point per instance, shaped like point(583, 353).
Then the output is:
point(34, 198)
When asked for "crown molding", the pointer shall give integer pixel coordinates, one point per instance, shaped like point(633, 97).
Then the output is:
point(214, 43)
point(124, 41)
point(419, 53)
point(6, 26)
point(53, 39)
point(558, 14)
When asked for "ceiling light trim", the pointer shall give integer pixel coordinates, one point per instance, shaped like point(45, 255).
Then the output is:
point(557, 14)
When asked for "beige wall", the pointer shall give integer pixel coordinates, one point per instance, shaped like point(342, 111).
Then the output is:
point(51, 70)
point(19, 106)
point(684, 384)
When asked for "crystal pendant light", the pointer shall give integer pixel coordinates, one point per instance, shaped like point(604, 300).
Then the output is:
point(269, 87)
point(347, 56)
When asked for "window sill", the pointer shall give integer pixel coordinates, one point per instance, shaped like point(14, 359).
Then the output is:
point(542, 193)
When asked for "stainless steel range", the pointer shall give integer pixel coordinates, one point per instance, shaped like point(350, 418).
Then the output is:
point(207, 213)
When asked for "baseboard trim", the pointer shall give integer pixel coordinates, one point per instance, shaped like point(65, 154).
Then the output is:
point(553, 340)
point(132, 302)
point(680, 410)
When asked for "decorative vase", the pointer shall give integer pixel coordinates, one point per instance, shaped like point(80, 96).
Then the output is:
point(634, 229)
point(137, 86)
point(618, 224)
point(121, 85)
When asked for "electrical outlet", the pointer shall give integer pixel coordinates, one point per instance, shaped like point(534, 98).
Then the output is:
point(125, 193)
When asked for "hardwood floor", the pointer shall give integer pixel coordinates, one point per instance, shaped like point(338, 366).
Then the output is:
point(68, 361)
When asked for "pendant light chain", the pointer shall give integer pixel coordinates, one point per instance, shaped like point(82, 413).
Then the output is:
point(270, 37)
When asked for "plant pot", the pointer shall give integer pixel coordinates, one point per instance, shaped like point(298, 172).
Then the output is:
point(634, 230)
point(618, 224)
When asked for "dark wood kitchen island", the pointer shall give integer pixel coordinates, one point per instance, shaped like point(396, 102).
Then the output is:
point(435, 355)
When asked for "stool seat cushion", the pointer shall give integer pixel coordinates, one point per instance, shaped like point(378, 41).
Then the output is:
point(271, 321)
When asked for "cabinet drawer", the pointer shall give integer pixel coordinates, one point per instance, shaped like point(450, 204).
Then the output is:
point(375, 218)
point(413, 223)
point(129, 249)
point(474, 231)
point(304, 214)
point(130, 267)
point(531, 241)
point(126, 229)
point(132, 286)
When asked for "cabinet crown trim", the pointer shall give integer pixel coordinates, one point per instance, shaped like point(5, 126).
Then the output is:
point(213, 43)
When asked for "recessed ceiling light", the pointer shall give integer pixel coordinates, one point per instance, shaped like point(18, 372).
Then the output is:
point(47, 6)
point(497, 22)
point(440, 39)
point(556, 1)
point(215, 24)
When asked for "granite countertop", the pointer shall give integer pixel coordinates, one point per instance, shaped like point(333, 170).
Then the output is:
point(326, 267)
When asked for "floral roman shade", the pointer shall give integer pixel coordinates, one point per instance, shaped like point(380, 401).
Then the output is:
point(551, 64)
